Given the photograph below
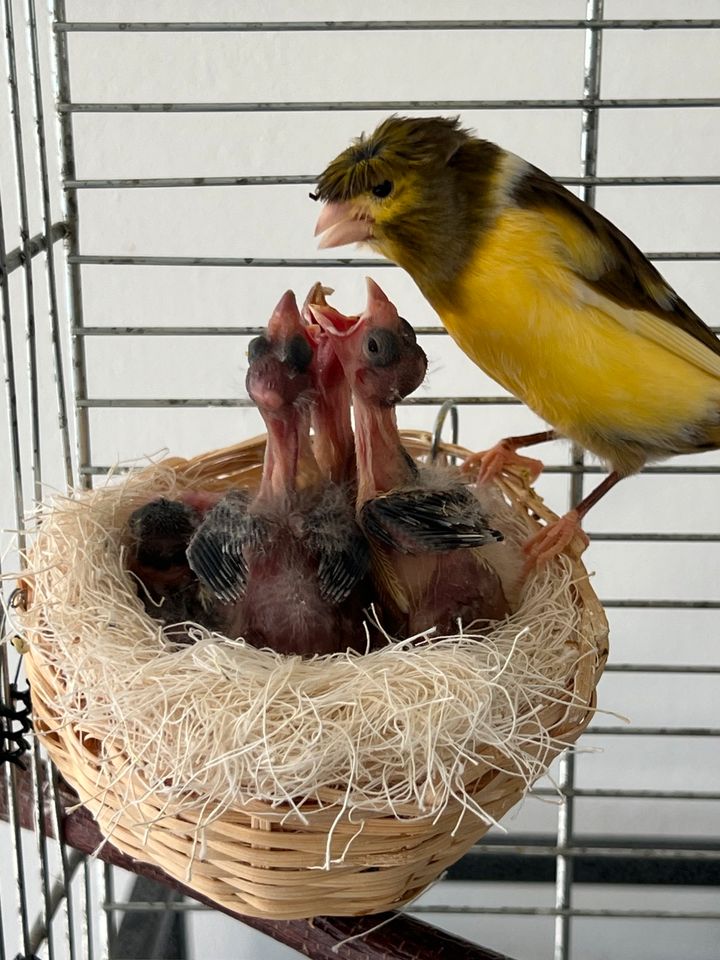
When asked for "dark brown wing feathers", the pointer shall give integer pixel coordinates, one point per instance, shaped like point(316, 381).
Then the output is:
point(629, 278)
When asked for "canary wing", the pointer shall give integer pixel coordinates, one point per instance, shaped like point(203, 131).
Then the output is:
point(334, 538)
point(616, 277)
point(216, 551)
point(427, 521)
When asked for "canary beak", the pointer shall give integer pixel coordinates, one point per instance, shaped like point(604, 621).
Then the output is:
point(341, 223)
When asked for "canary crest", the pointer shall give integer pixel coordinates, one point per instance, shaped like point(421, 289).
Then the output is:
point(402, 190)
point(383, 177)
point(395, 148)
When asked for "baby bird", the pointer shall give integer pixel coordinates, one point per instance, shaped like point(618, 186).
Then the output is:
point(334, 443)
point(291, 562)
point(160, 533)
point(547, 296)
point(424, 535)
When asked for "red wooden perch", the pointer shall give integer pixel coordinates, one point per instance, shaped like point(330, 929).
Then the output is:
point(399, 936)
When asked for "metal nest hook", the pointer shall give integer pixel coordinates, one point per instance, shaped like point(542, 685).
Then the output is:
point(448, 407)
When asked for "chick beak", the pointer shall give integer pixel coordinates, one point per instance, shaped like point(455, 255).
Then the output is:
point(341, 329)
point(316, 294)
point(375, 294)
point(273, 388)
point(379, 311)
point(285, 320)
point(332, 321)
point(341, 223)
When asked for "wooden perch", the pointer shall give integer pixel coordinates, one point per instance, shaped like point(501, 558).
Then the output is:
point(400, 937)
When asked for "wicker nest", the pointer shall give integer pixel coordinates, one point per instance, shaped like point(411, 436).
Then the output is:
point(282, 787)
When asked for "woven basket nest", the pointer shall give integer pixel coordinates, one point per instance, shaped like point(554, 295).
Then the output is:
point(282, 787)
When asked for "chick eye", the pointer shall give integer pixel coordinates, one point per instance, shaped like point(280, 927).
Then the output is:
point(299, 353)
point(258, 347)
point(381, 348)
point(383, 189)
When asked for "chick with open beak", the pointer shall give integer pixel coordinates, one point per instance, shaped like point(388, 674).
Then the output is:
point(291, 562)
point(333, 439)
point(424, 534)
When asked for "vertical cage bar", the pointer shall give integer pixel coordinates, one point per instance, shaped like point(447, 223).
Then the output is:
point(42, 159)
point(25, 244)
point(69, 202)
point(3, 954)
point(40, 835)
point(17, 482)
point(9, 774)
point(11, 396)
point(566, 779)
point(107, 929)
point(89, 897)
point(67, 869)
point(17, 486)
point(67, 864)
point(38, 934)
point(6, 773)
point(44, 922)
point(9, 373)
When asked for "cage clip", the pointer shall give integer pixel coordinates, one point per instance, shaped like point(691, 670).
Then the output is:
point(13, 744)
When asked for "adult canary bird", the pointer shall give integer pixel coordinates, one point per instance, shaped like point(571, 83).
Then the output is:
point(540, 290)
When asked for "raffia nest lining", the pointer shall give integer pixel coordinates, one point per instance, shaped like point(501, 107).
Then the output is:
point(432, 730)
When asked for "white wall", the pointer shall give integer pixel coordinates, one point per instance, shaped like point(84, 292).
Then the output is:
point(278, 222)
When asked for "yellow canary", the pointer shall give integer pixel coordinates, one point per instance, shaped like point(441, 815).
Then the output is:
point(539, 289)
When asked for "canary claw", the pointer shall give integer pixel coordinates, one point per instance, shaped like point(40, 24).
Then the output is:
point(491, 463)
point(553, 539)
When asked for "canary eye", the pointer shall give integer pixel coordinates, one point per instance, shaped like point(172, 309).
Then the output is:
point(381, 348)
point(258, 347)
point(299, 353)
point(383, 189)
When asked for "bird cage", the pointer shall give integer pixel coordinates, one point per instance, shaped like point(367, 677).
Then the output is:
point(152, 246)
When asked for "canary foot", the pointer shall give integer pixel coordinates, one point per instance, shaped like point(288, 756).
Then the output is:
point(553, 539)
point(491, 463)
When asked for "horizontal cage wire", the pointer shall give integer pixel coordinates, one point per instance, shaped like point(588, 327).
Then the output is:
point(135, 265)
